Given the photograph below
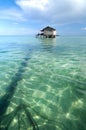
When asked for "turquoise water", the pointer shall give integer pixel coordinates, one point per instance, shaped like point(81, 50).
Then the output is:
point(42, 83)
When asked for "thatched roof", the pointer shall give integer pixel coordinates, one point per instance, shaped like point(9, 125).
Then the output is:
point(48, 29)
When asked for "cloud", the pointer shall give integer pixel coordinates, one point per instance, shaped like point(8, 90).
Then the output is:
point(16, 30)
point(11, 14)
point(15, 23)
point(59, 11)
point(46, 11)
point(83, 28)
point(35, 4)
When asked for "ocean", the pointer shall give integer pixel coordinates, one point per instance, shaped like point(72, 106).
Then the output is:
point(42, 83)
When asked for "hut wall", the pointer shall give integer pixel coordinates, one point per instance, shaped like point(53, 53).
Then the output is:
point(49, 32)
point(54, 33)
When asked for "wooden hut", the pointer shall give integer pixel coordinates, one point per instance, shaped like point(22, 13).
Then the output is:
point(47, 32)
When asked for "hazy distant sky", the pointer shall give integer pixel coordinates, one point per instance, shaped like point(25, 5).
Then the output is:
point(22, 17)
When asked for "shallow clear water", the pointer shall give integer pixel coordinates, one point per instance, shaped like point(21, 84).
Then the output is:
point(42, 83)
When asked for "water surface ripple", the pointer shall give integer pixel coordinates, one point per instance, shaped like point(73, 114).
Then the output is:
point(42, 83)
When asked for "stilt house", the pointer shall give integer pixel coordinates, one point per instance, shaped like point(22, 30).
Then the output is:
point(47, 32)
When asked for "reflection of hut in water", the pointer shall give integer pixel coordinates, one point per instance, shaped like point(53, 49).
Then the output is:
point(47, 32)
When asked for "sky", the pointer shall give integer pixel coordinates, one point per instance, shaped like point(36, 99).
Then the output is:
point(25, 17)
